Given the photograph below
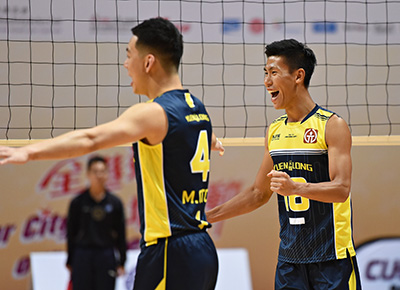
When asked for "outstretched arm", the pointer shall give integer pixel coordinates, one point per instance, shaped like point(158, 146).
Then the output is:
point(142, 121)
point(248, 200)
point(338, 139)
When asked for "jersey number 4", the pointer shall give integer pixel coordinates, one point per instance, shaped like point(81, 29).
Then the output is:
point(200, 162)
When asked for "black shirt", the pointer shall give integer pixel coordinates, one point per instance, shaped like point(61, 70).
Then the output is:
point(96, 224)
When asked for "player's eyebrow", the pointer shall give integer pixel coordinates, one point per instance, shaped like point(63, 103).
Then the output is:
point(270, 67)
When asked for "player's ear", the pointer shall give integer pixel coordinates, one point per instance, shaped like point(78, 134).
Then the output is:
point(300, 75)
point(149, 62)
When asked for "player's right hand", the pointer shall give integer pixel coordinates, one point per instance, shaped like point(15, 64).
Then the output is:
point(10, 155)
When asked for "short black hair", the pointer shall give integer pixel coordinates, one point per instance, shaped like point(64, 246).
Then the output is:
point(297, 55)
point(94, 159)
point(161, 37)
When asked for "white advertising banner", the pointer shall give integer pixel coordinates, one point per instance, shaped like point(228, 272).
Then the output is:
point(379, 263)
point(49, 271)
point(371, 22)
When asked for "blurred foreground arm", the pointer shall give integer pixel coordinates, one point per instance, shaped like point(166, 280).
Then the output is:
point(141, 121)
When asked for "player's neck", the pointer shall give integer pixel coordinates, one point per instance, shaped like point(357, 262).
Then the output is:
point(163, 84)
point(300, 108)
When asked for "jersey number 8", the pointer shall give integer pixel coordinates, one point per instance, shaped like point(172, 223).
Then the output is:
point(297, 203)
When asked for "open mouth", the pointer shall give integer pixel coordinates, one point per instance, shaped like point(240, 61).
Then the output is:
point(274, 94)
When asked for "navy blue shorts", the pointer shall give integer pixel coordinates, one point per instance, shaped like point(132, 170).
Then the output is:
point(178, 263)
point(93, 269)
point(340, 274)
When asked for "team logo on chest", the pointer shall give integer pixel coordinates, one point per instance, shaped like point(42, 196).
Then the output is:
point(310, 136)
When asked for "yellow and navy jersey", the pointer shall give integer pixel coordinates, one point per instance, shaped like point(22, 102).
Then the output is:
point(311, 231)
point(172, 177)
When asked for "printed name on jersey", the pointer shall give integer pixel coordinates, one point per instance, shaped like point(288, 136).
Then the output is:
point(190, 198)
point(310, 136)
point(197, 118)
point(290, 166)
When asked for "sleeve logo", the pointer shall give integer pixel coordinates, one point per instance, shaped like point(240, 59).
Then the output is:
point(310, 136)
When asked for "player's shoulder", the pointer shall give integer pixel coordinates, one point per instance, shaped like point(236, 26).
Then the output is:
point(323, 114)
point(337, 132)
point(145, 111)
point(331, 116)
point(334, 122)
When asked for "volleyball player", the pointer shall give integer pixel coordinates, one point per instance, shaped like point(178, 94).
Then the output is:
point(307, 162)
point(172, 136)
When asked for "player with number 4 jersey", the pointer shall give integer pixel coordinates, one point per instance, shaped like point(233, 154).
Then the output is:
point(172, 139)
point(172, 170)
point(174, 173)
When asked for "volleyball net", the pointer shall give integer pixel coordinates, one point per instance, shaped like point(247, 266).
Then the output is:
point(61, 63)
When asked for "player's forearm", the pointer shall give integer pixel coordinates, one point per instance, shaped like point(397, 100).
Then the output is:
point(332, 191)
point(245, 202)
point(71, 144)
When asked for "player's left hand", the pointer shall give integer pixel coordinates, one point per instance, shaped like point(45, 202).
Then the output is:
point(281, 183)
point(13, 155)
point(218, 147)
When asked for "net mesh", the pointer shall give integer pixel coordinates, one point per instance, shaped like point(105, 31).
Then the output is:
point(61, 66)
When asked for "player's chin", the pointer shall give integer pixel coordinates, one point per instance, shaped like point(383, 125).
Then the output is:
point(276, 103)
point(277, 106)
point(134, 89)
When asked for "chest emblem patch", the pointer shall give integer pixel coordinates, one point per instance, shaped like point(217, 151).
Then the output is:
point(310, 136)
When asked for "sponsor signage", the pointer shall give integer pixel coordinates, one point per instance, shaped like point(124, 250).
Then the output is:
point(34, 208)
point(49, 271)
point(224, 21)
point(379, 264)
